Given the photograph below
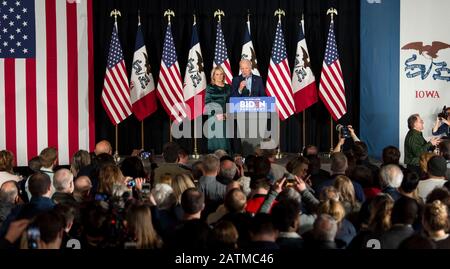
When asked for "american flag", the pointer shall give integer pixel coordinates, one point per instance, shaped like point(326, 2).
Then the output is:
point(331, 90)
point(279, 77)
point(116, 90)
point(170, 87)
point(221, 55)
point(46, 77)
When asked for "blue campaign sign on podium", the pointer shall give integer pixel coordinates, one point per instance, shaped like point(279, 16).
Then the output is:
point(252, 104)
point(251, 118)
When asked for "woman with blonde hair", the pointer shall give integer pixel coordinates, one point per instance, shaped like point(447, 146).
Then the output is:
point(216, 98)
point(140, 227)
point(6, 167)
point(423, 164)
point(346, 231)
point(436, 224)
point(111, 181)
point(344, 186)
point(180, 183)
point(379, 221)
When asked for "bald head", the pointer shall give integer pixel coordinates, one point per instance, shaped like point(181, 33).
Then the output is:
point(103, 147)
point(63, 181)
point(9, 192)
point(83, 186)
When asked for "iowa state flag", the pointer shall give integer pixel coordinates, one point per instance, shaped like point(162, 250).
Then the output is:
point(143, 95)
point(303, 81)
point(195, 79)
point(248, 51)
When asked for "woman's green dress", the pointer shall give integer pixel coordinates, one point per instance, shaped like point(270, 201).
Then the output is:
point(216, 98)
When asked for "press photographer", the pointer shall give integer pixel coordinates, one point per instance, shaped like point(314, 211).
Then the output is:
point(442, 124)
point(344, 133)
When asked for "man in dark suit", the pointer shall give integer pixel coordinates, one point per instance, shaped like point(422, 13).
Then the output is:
point(247, 84)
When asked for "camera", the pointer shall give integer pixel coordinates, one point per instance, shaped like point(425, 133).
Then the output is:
point(131, 183)
point(33, 236)
point(290, 179)
point(146, 187)
point(144, 155)
point(343, 130)
point(443, 114)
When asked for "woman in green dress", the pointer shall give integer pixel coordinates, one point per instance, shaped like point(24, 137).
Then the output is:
point(216, 98)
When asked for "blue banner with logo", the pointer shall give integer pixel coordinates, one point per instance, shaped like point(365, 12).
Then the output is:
point(251, 104)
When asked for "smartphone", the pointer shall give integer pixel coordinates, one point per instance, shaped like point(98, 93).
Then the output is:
point(131, 183)
point(146, 187)
point(33, 236)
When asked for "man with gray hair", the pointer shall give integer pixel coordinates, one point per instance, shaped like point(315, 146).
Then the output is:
point(324, 233)
point(9, 197)
point(63, 183)
point(415, 143)
point(82, 190)
point(213, 190)
point(391, 178)
point(339, 165)
point(208, 184)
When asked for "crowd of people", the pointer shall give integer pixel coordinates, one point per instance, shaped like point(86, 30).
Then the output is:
point(228, 202)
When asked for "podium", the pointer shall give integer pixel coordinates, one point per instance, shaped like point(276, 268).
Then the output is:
point(251, 117)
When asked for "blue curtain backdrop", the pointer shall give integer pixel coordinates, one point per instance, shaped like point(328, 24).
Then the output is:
point(380, 52)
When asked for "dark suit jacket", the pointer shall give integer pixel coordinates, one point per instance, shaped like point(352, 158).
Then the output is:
point(257, 86)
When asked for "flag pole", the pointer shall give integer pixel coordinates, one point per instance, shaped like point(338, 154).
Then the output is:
point(304, 128)
point(170, 131)
point(142, 134)
point(331, 135)
point(332, 12)
point(195, 154)
point(116, 156)
point(279, 12)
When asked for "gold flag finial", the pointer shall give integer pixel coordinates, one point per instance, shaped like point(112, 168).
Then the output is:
point(219, 13)
point(279, 12)
point(333, 12)
point(115, 13)
point(169, 13)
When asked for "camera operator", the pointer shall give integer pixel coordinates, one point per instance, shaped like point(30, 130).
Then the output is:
point(442, 124)
point(344, 133)
point(415, 143)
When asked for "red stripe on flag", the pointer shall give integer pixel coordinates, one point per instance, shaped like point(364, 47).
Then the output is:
point(333, 115)
point(275, 83)
point(91, 76)
point(329, 104)
point(10, 106)
point(333, 87)
point(52, 73)
point(336, 83)
point(72, 78)
point(228, 67)
point(116, 93)
point(32, 120)
point(285, 91)
point(121, 70)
